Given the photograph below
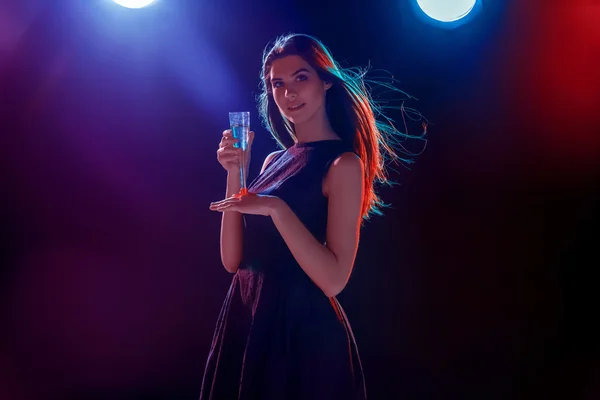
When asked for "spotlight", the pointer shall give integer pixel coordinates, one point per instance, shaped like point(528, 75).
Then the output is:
point(134, 3)
point(446, 11)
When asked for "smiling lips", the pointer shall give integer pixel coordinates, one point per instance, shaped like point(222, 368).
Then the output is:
point(296, 107)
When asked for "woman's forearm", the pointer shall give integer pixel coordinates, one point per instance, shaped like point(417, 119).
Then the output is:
point(231, 229)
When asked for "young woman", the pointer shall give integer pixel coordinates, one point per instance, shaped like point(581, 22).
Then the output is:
point(291, 242)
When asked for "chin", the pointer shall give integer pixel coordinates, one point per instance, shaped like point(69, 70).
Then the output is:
point(297, 119)
point(293, 120)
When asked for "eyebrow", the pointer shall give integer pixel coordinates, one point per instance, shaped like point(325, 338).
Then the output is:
point(294, 74)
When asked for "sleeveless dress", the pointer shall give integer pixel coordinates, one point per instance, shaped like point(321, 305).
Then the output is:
point(278, 336)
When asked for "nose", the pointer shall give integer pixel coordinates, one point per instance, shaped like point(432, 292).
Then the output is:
point(290, 94)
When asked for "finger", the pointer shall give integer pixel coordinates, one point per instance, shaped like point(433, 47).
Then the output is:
point(228, 142)
point(224, 208)
point(228, 200)
point(229, 151)
point(229, 157)
point(229, 147)
point(227, 133)
point(229, 139)
point(214, 207)
point(250, 138)
point(227, 207)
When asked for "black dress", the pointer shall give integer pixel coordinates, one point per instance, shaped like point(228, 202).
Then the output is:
point(278, 336)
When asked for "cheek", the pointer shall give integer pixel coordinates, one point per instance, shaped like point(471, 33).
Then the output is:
point(278, 97)
point(316, 94)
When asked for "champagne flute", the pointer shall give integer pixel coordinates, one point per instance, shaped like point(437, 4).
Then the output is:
point(239, 123)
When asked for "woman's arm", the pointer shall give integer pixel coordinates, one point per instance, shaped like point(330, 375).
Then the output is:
point(328, 266)
point(231, 240)
point(231, 230)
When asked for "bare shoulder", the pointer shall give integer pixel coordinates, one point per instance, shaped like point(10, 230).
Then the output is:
point(346, 170)
point(268, 159)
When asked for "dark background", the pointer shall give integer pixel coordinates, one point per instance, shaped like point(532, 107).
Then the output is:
point(477, 283)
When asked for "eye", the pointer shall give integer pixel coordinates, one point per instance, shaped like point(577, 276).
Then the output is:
point(277, 84)
point(301, 77)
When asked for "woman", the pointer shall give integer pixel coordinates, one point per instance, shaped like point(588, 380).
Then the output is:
point(291, 243)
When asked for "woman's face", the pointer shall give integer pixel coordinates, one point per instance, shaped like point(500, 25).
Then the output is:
point(297, 89)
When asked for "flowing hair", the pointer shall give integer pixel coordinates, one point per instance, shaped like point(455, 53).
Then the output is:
point(352, 113)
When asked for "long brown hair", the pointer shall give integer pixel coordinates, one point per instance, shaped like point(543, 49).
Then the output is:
point(350, 108)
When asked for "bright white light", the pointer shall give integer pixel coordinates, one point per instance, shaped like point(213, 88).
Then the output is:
point(446, 10)
point(134, 3)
